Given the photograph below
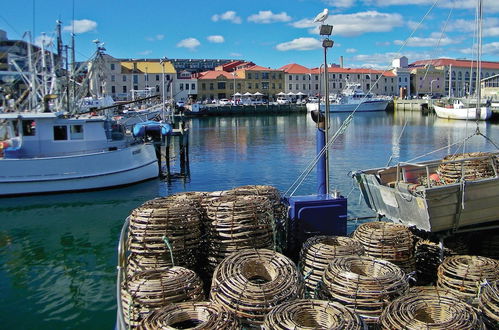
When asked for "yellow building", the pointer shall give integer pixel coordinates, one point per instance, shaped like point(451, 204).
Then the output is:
point(216, 85)
point(267, 81)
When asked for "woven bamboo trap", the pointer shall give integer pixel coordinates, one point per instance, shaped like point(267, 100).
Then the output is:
point(489, 303)
point(463, 274)
point(191, 315)
point(388, 241)
point(251, 282)
point(150, 290)
point(165, 227)
point(272, 193)
point(363, 283)
point(237, 222)
point(430, 309)
point(318, 251)
point(311, 314)
point(455, 167)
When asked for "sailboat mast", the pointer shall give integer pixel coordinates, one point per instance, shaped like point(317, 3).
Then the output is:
point(479, 55)
point(450, 80)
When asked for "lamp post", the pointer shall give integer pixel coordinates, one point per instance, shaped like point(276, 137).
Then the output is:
point(431, 86)
point(234, 94)
point(323, 174)
point(162, 62)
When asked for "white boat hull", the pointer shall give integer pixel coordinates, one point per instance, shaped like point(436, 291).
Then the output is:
point(78, 172)
point(463, 113)
point(312, 107)
point(367, 106)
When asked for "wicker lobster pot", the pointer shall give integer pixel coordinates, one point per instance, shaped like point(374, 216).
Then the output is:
point(237, 222)
point(463, 275)
point(363, 283)
point(251, 282)
point(388, 241)
point(150, 290)
point(311, 314)
point(468, 169)
point(429, 309)
point(318, 251)
point(191, 315)
point(489, 303)
point(161, 224)
point(428, 259)
point(272, 193)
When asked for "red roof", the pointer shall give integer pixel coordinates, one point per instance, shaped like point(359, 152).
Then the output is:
point(260, 68)
point(216, 74)
point(353, 71)
point(295, 69)
point(456, 63)
point(231, 66)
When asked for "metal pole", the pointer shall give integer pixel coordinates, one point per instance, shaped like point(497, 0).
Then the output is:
point(326, 118)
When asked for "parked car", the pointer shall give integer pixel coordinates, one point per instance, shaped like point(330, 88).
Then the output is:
point(224, 102)
point(282, 100)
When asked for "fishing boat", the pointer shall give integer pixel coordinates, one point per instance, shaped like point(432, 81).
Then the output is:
point(56, 152)
point(417, 194)
point(459, 110)
point(353, 98)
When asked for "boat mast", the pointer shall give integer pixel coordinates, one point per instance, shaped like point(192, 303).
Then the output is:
point(450, 80)
point(31, 67)
point(479, 58)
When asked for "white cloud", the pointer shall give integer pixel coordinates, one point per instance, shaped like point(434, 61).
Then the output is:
point(415, 25)
point(488, 5)
point(383, 43)
point(81, 26)
point(229, 15)
point(189, 43)
point(363, 22)
point(490, 48)
point(145, 52)
point(300, 44)
point(340, 3)
point(216, 39)
point(157, 37)
point(435, 40)
point(267, 16)
point(304, 23)
point(351, 50)
point(46, 40)
point(236, 55)
point(490, 26)
point(384, 60)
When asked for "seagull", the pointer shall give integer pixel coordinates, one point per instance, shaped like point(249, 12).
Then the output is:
point(321, 17)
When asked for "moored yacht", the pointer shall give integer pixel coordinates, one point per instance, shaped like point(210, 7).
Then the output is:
point(353, 98)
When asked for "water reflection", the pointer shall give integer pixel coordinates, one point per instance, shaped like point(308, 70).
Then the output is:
point(57, 252)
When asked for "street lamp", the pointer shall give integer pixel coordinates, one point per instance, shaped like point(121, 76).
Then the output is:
point(431, 86)
point(326, 30)
point(162, 62)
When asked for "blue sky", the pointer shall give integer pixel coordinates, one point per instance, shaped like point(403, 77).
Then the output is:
point(272, 33)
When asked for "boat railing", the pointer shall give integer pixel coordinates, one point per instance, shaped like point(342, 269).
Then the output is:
point(408, 171)
point(121, 274)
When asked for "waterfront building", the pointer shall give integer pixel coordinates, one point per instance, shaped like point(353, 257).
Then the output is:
point(299, 79)
point(427, 80)
point(460, 73)
point(186, 87)
point(197, 65)
point(266, 81)
point(403, 76)
point(490, 87)
point(216, 85)
point(376, 81)
point(127, 78)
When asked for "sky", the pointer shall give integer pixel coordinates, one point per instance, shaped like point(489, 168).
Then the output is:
point(271, 33)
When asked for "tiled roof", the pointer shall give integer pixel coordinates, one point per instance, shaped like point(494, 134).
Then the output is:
point(260, 68)
point(456, 63)
point(295, 69)
point(149, 67)
point(216, 74)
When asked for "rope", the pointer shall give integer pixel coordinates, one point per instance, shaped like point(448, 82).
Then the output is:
point(170, 248)
point(398, 142)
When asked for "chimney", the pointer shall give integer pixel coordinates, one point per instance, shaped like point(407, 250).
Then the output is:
point(341, 61)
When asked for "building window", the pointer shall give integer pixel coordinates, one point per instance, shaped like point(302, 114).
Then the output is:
point(76, 132)
point(113, 78)
point(358, 77)
point(186, 87)
point(304, 87)
point(297, 87)
point(167, 77)
point(280, 85)
point(257, 76)
point(249, 85)
point(181, 87)
point(112, 66)
point(290, 86)
point(124, 89)
point(290, 77)
point(60, 133)
point(341, 85)
point(124, 78)
point(317, 86)
point(341, 76)
point(203, 86)
point(405, 79)
point(135, 87)
point(316, 77)
point(211, 87)
point(239, 85)
point(221, 85)
point(113, 89)
point(273, 85)
point(249, 75)
point(256, 85)
point(157, 88)
point(334, 86)
point(193, 86)
point(303, 77)
point(157, 77)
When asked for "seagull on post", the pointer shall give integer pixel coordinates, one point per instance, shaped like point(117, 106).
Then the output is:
point(321, 17)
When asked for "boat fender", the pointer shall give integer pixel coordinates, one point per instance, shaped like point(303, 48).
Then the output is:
point(435, 177)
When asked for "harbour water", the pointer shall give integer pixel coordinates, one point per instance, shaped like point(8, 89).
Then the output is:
point(58, 252)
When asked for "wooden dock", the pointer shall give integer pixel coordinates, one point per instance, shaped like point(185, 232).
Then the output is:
point(413, 104)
